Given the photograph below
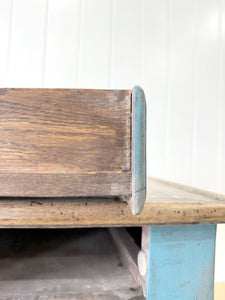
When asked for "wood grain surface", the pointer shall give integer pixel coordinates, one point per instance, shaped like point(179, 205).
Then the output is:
point(88, 184)
point(50, 139)
point(167, 203)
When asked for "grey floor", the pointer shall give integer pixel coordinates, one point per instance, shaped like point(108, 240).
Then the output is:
point(62, 264)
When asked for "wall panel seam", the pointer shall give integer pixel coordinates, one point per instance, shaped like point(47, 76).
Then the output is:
point(9, 39)
point(141, 25)
point(220, 87)
point(167, 101)
point(110, 44)
point(79, 42)
point(45, 43)
point(194, 133)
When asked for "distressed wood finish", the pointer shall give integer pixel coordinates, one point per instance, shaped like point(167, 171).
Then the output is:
point(128, 250)
point(138, 152)
point(166, 204)
point(54, 140)
point(181, 262)
point(69, 185)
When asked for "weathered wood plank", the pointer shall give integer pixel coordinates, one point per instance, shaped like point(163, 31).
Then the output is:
point(166, 204)
point(62, 131)
point(165, 191)
point(128, 250)
point(66, 184)
point(70, 213)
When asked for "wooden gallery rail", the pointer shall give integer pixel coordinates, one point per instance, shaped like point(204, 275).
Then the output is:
point(76, 158)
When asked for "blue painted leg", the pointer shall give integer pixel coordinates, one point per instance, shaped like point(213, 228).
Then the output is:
point(181, 262)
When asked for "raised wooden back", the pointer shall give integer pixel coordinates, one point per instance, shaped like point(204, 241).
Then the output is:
point(68, 143)
point(48, 133)
point(53, 131)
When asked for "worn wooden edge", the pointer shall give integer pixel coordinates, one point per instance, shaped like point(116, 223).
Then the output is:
point(138, 152)
point(182, 187)
point(64, 89)
point(65, 184)
point(57, 213)
point(128, 251)
point(167, 204)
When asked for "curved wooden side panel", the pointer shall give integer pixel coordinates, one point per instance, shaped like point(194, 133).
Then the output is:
point(138, 150)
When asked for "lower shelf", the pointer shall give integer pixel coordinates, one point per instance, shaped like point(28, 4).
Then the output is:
point(62, 264)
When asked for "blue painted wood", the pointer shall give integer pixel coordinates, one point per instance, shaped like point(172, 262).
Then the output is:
point(181, 262)
point(139, 150)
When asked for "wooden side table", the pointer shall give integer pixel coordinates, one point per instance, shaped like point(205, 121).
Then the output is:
point(178, 234)
point(67, 156)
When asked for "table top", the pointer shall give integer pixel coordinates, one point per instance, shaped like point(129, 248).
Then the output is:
point(166, 204)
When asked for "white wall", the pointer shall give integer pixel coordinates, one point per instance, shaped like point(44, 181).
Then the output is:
point(174, 49)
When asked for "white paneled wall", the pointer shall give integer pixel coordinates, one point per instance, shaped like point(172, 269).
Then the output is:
point(5, 33)
point(95, 44)
point(26, 40)
point(206, 112)
point(179, 94)
point(174, 49)
point(153, 78)
point(61, 43)
point(125, 44)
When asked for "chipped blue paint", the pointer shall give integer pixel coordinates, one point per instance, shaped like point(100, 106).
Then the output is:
point(181, 262)
point(139, 150)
